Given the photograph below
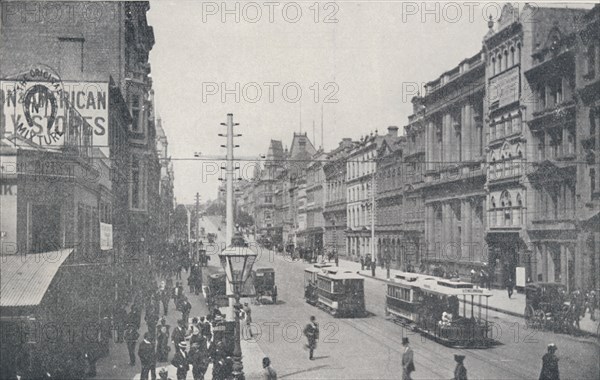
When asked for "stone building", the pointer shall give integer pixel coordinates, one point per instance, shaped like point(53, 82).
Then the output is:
point(390, 200)
point(531, 145)
point(334, 211)
point(587, 84)
point(315, 202)
point(96, 165)
point(360, 171)
point(453, 188)
point(265, 188)
point(412, 182)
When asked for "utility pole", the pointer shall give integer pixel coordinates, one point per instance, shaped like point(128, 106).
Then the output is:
point(197, 223)
point(373, 182)
point(229, 171)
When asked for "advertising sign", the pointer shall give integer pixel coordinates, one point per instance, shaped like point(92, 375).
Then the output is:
point(504, 88)
point(8, 205)
point(106, 236)
point(42, 111)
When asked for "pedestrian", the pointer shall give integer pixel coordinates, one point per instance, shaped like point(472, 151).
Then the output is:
point(192, 279)
point(162, 341)
point(131, 336)
point(362, 263)
point(473, 279)
point(198, 358)
point(337, 260)
point(120, 322)
point(550, 364)
point(373, 267)
point(206, 328)
point(163, 295)
point(408, 364)
point(509, 286)
point(268, 371)
point(147, 357)
point(460, 372)
point(152, 317)
point(248, 317)
point(311, 331)
point(186, 308)
point(274, 294)
point(181, 361)
point(178, 335)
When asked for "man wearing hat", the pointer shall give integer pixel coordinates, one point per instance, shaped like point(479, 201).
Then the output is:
point(268, 371)
point(147, 357)
point(178, 335)
point(460, 372)
point(311, 331)
point(550, 364)
point(181, 361)
point(408, 364)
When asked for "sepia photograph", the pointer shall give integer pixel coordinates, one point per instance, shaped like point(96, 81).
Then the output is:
point(263, 190)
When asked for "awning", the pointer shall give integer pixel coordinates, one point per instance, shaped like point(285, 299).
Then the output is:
point(24, 279)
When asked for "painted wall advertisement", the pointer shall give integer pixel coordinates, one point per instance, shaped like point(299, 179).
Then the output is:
point(8, 204)
point(505, 88)
point(41, 111)
point(106, 236)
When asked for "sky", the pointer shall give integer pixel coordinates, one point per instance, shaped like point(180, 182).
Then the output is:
point(279, 72)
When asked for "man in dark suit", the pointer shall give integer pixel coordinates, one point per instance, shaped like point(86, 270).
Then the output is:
point(178, 334)
point(131, 336)
point(147, 358)
point(408, 365)
point(312, 334)
point(181, 361)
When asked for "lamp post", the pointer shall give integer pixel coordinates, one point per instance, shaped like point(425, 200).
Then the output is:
point(237, 263)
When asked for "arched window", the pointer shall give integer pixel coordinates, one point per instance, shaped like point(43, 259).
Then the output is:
point(519, 210)
point(493, 211)
point(493, 168)
point(512, 56)
point(500, 63)
point(508, 165)
point(518, 55)
point(493, 69)
point(506, 205)
point(506, 66)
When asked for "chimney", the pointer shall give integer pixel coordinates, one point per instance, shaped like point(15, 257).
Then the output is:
point(393, 131)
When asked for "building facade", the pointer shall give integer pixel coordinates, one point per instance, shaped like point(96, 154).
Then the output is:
point(334, 210)
point(453, 188)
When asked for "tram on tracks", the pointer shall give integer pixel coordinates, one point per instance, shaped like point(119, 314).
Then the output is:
point(340, 293)
point(431, 306)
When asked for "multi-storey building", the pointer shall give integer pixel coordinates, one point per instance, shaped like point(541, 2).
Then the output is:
point(265, 188)
point(412, 181)
point(315, 201)
point(531, 142)
point(334, 211)
point(453, 191)
point(98, 199)
point(587, 83)
point(389, 197)
point(360, 171)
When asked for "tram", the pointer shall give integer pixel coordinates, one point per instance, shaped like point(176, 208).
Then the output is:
point(431, 306)
point(340, 293)
point(264, 282)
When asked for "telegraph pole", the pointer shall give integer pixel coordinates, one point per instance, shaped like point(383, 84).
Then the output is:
point(373, 182)
point(229, 171)
point(198, 258)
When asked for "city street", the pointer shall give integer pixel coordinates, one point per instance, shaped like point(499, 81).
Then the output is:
point(371, 347)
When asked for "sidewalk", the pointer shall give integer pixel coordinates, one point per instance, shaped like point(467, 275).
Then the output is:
point(116, 364)
point(499, 301)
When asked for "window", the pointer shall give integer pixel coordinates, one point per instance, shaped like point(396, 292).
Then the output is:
point(136, 113)
point(493, 211)
point(493, 67)
point(519, 220)
point(516, 124)
point(592, 183)
point(556, 91)
point(137, 185)
point(512, 56)
point(590, 61)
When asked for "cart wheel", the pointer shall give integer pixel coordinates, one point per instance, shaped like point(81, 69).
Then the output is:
point(540, 319)
point(529, 316)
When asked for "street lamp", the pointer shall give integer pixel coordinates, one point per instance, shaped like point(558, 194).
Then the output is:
point(237, 263)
